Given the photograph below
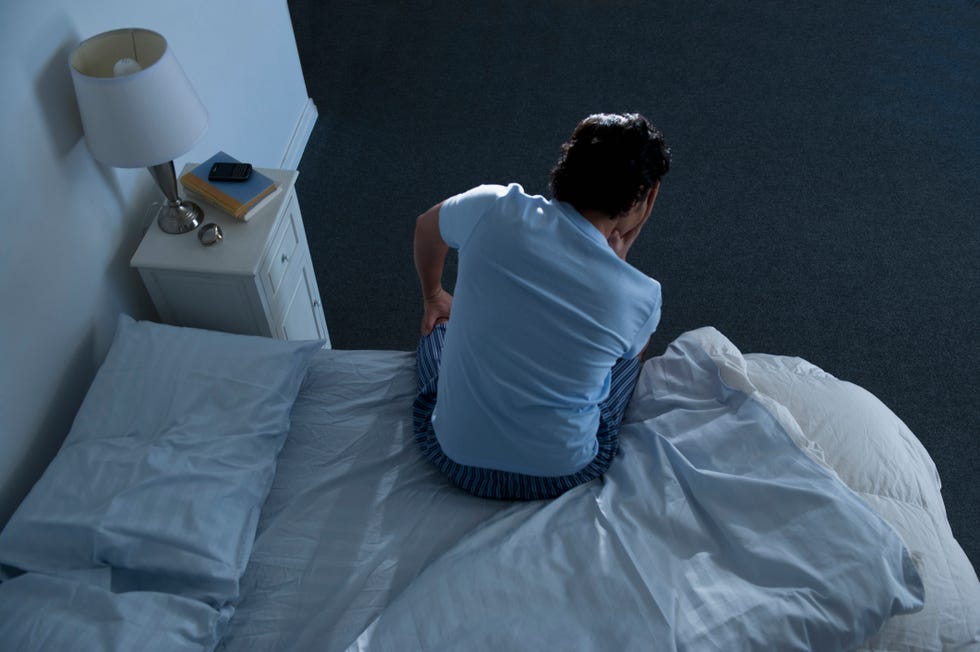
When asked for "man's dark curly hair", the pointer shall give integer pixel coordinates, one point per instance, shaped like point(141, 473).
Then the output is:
point(611, 161)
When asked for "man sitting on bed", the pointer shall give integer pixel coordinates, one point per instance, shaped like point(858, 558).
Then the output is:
point(535, 368)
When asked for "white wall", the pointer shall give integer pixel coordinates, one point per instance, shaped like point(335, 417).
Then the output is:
point(69, 225)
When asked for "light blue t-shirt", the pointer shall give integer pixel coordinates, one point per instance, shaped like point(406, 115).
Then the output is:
point(542, 310)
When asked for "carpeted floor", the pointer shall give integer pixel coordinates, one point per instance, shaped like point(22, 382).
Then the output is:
point(824, 195)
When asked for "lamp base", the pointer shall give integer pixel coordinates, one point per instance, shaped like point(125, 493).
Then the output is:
point(179, 216)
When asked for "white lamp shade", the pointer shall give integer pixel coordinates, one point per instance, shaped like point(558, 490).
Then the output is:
point(149, 114)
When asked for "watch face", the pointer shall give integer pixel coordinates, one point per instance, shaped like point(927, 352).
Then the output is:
point(210, 234)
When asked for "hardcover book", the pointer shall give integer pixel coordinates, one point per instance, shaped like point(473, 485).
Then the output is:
point(234, 197)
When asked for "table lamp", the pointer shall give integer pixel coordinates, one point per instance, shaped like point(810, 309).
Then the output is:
point(139, 109)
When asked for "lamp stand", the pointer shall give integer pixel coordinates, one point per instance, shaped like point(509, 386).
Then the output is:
point(175, 215)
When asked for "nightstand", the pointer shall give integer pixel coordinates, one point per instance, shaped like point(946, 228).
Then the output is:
point(258, 280)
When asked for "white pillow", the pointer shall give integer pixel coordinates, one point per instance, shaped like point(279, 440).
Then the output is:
point(877, 456)
point(167, 464)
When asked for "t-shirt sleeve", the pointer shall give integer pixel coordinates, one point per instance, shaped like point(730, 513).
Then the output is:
point(460, 214)
point(648, 327)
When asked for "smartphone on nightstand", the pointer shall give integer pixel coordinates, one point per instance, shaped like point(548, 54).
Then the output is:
point(230, 172)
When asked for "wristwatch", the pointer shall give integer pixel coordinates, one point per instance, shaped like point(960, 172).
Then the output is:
point(210, 234)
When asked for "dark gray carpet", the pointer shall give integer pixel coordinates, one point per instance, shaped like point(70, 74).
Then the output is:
point(824, 195)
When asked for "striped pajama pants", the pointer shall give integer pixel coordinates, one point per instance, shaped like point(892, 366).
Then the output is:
point(506, 485)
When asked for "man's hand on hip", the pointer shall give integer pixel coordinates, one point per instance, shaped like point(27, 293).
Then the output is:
point(436, 310)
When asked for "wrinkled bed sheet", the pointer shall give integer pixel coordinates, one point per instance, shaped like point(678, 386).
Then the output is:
point(720, 526)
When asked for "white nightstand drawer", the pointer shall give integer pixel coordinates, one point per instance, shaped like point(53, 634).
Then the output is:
point(285, 247)
point(302, 315)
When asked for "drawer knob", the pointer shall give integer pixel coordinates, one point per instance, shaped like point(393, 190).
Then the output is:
point(284, 258)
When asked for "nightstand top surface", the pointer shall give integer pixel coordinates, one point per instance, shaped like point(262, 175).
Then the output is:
point(240, 252)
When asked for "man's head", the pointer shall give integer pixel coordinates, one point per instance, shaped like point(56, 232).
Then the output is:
point(611, 162)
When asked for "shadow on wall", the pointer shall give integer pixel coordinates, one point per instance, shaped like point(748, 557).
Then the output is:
point(55, 94)
point(56, 99)
point(51, 431)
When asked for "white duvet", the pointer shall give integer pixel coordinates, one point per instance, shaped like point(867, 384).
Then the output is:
point(720, 526)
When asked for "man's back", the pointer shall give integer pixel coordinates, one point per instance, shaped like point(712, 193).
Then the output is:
point(543, 309)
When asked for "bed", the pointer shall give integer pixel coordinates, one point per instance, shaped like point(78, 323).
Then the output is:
point(236, 493)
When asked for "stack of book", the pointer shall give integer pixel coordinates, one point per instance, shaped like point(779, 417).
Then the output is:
point(240, 199)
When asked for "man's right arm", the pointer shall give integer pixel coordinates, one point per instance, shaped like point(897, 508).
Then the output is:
point(430, 256)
